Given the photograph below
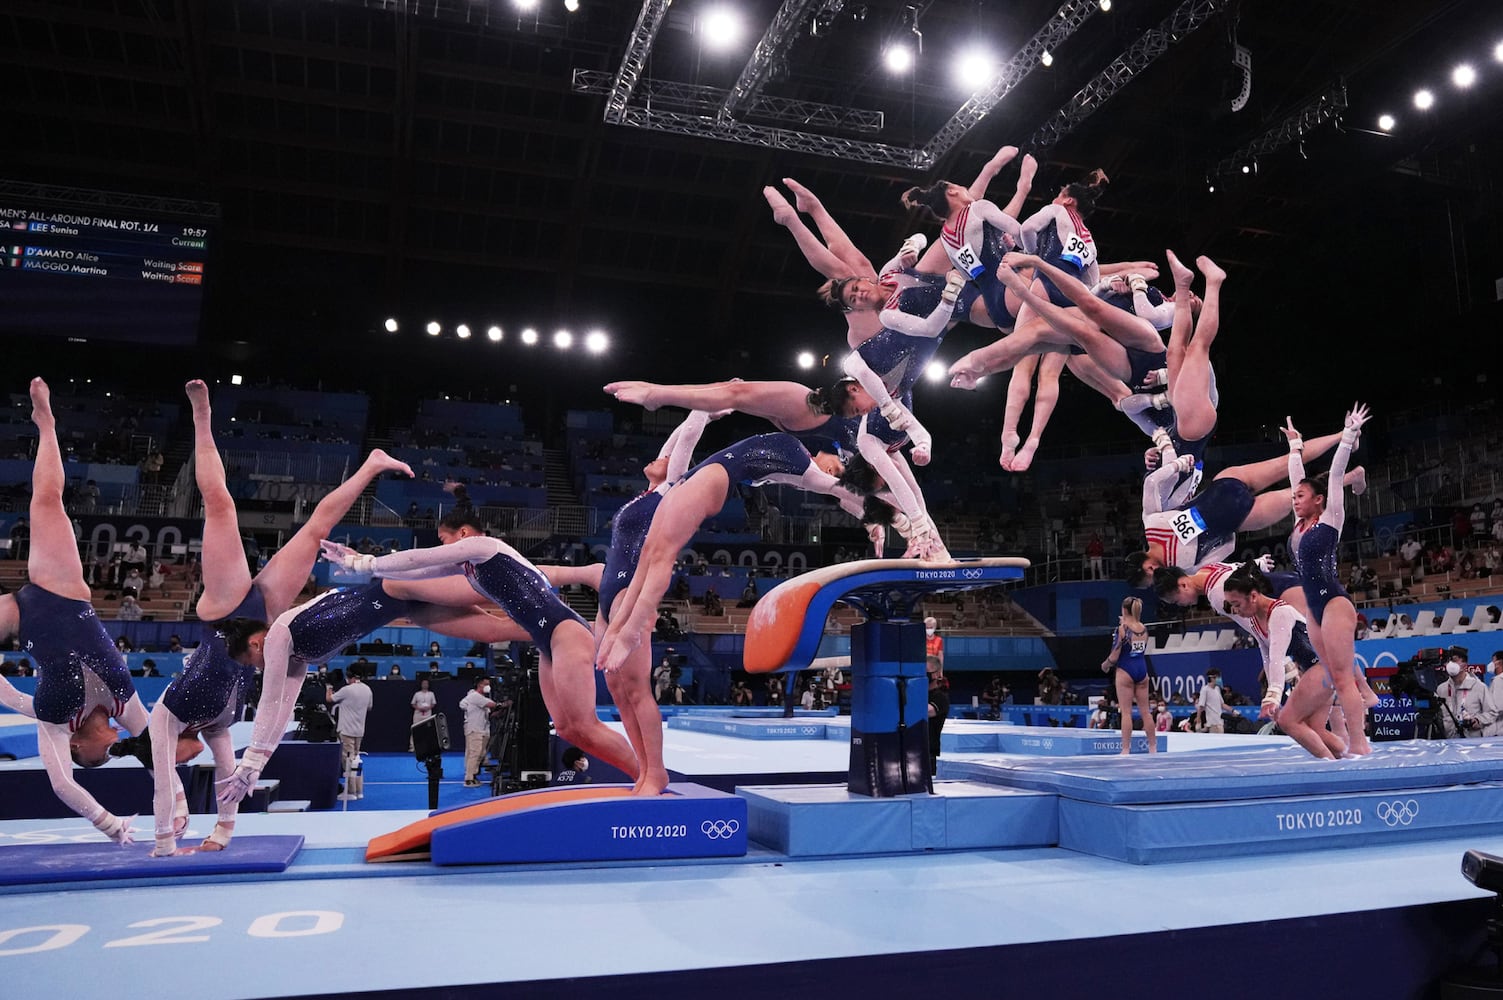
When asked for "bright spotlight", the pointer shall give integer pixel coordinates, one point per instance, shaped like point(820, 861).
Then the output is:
point(1424, 100)
point(936, 371)
point(433, 328)
point(572, 6)
point(1498, 52)
point(596, 342)
point(806, 359)
point(1047, 58)
point(391, 325)
point(563, 340)
point(975, 69)
point(1210, 188)
point(1106, 5)
point(236, 380)
point(1386, 122)
point(463, 330)
point(721, 27)
point(1463, 76)
point(898, 58)
point(529, 336)
point(525, 5)
point(1247, 168)
point(494, 333)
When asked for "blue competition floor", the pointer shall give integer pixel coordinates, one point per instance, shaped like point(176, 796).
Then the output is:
point(334, 925)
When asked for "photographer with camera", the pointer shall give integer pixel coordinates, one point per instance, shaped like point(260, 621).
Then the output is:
point(478, 709)
point(1494, 678)
point(1466, 709)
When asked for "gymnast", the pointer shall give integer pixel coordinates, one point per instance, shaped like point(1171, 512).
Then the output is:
point(1203, 529)
point(229, 590)
point(1319, 507)
point(631, 687)
point(894, 322)
point(566, 647)
point(318, 629)
point(82, 681)
point(806, 415)
point(1128, 665)
point(1282, 636)
point(767, 458)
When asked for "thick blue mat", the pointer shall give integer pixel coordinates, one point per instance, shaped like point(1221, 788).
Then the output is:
point(1268, 772)
point(753, 729)
point(45, 863)
point(1044, 741)
point(1189, 831)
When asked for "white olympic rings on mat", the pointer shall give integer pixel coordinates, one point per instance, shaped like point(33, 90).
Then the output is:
point(719, 829)
point(1399, 812)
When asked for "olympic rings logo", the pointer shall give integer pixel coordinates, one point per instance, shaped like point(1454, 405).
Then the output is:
point(1399, 812)
point(971, 574)
point(719, 829)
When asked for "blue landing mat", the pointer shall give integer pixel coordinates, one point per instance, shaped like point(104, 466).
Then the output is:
point(44, 863)
point(753, 729)
point(1268, 772)
point(1192, 831)
point(1043, 741)
point(823, 820)
point(19, 741)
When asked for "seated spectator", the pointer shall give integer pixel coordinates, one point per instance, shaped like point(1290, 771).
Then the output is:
point(680, 590)
point(713, 607)
point(157, 577)
point(748, 595)
point(133, 583)
point(130, 609)
point(123, 644)
point(150, 668)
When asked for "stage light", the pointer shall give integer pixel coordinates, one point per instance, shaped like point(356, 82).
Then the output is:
point(236, 380)
point(433, 328)
point(806, 359)
point(1247, 168)
point(1424, 100)
point(1106, 5)
point(571, 6)
point(391, 325)
point(463, 330)
point(1047, 58)
point(563, 340)
point(721, 27)
point(1210, 188)
point(1386, 123)
point(1498, 52)
point(494, 333)
point(596, 342)
point(936, 371)
point(975, 69)
point(525, 5)
point(529, 336)
point(898, 57)
point(1463, 76)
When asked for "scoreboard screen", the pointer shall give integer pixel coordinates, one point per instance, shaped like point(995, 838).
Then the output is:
point(94, 273)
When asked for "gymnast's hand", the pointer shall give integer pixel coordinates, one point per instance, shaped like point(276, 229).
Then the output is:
point(1151, 459)
point(878, 535)
point(343, 555)
point(240, 784)
point(1264, 562)
point(1358, 415)
point(116, 828)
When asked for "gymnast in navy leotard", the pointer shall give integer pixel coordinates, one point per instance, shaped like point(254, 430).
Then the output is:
point(767, 458)
point(1128, 664)
point(81, 678)
point(1320, 512)
point(204, 700)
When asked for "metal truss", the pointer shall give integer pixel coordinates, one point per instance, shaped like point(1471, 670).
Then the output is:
point(1061, 26)
point(704, 127)
point(692, 98)
point(108, 201)
point(1291, 128)
point(637, 49)
point(785, 25)
point(1150, 45)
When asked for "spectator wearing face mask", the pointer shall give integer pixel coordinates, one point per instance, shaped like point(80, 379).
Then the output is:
point(1467, 711)
point(575, 765)
point(1210, 704)
point(477, 707)
point(934, 643)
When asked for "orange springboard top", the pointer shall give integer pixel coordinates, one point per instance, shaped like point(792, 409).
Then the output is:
point(417, 835)
point(777, 621)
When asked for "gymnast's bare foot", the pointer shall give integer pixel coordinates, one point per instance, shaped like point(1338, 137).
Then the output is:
point(1208, 267)
point(782, 212)
point(379, 461)
point(1183, 276)
point(1359, 481)
point(41, 403)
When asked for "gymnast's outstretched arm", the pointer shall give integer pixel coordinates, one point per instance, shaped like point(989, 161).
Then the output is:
point(679, 448)
point(52, 746)
point(417, 564)
point(16, 701)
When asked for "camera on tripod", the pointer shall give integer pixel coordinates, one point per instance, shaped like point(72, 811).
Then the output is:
point(1417, 679)
point(314, 723)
